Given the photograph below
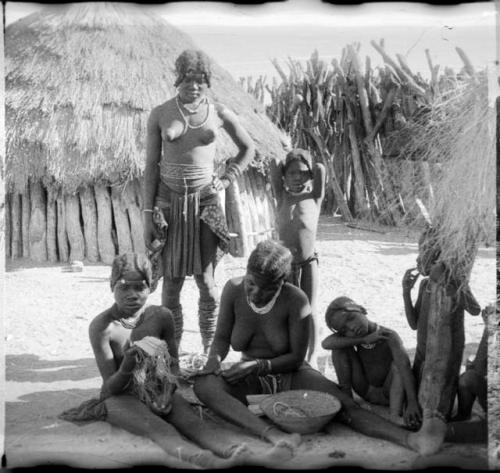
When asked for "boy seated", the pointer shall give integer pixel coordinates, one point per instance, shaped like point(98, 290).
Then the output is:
point(371, 360)
point(472, 383)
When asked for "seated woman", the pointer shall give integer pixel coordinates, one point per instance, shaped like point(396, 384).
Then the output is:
point(114, 335)
point(267, 320)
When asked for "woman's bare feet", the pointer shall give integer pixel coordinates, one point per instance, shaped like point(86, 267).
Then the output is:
point(429, 439)
point(274, 456)
point(282, 439)
point(208, 460)
point(239, 454)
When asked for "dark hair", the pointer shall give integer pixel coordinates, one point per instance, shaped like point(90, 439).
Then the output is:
point(130, 262)
point(342, 303)
point(194, 60)
point(298, 154)
point(270, 260)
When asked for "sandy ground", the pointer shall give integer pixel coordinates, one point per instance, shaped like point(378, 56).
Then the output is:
point(50, 366)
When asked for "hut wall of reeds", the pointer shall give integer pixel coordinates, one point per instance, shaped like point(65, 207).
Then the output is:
point(81, 80)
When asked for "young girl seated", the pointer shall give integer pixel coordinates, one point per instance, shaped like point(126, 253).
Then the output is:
point(472, 383)
point(371, 360)
point(143, 401)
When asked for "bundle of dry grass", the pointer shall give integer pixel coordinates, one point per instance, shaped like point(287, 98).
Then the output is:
point(457, 137)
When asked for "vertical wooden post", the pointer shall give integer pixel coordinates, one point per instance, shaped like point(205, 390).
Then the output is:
point(62, 237)
point(443, 354)
point(239, 245)
point(105, 243)
point(359, 179)
point(89, 215)
point(73, 228)
point(38, 224)
point(25, 226)
point(51, 225)
point(15, 215)
point(252, 209)
point(245, 212)
point(133, 210)
point(15, 218)
point(8, 225)
point(121, 221)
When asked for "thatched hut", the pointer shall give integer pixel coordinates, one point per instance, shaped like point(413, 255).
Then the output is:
point(81, 80)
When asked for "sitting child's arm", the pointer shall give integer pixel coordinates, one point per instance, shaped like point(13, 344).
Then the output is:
point(336, 341)
point(319, 180)
point(115, 380)
point(469, 302)
point(411, 311)
point(401, 359)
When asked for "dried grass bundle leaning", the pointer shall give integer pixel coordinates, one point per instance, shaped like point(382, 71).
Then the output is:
point(457, 139)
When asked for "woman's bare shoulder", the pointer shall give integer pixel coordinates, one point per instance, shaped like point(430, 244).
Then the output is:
point(101, 323)
point(294, 293)
point(162, 109)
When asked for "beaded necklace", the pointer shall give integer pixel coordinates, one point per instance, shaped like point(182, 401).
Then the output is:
point(266, 308)
point(127, 323)
point(186, 120)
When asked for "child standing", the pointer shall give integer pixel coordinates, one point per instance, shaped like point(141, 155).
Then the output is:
point(371, 360)
point(299, 188)
point(438, 313)
point(417, 315)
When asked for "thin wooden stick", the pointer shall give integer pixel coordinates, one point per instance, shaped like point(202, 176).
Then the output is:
point(384, 112)
point(402, 74)
point(468, 65)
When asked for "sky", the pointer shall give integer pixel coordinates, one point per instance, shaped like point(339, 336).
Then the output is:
point(311, 12)
point(244, 38)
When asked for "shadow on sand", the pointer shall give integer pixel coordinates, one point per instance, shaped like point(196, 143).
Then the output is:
point(30, 368)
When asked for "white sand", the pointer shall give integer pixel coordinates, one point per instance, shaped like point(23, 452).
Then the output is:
point(50, 365)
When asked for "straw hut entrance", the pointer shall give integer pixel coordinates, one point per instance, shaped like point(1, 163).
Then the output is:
point(80, 82)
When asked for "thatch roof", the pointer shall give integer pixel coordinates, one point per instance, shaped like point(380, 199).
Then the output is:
point(81, 80)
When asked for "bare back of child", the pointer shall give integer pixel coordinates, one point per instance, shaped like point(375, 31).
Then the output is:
point(371, 361)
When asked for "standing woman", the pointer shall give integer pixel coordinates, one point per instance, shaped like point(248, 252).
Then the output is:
point(179, 179)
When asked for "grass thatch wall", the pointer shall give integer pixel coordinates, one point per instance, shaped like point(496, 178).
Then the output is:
point(81, 80)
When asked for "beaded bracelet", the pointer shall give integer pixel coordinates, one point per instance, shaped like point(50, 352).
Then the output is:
point(232, 172)
point(263, 367)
